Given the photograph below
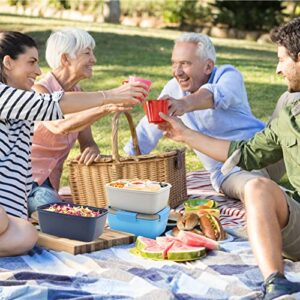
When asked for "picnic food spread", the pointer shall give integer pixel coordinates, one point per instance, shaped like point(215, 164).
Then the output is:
point(138, 184)
point(73, 210)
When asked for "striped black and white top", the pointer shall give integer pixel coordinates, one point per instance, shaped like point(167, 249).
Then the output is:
point(18, 110)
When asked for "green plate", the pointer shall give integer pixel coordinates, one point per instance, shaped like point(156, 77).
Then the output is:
point(193, 203)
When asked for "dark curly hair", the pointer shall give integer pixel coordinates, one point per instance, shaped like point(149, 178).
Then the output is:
point(288, 36)
point(13, 43)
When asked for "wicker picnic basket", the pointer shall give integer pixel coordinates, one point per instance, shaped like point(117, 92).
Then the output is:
point(88, 182)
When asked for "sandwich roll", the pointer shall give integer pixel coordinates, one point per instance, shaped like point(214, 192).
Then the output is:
point(187, 221)
point(211, 227)
point(206, 227)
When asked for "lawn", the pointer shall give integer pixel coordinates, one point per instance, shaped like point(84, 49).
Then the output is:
point(123, 51)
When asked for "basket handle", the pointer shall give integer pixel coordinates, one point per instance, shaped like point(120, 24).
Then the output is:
point(179, 160)
point(115, 126)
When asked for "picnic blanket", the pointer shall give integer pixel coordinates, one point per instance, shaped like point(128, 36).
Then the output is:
point(230, 273)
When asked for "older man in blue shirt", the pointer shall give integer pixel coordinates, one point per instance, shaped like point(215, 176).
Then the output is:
point(211, 100)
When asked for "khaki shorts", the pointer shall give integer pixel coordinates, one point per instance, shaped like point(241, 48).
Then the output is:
point(291, 233)
point(233, 186)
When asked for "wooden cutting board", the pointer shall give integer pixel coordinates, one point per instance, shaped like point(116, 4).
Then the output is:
point(107, 239)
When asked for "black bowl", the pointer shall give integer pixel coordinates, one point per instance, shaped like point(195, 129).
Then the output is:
point(72, 227)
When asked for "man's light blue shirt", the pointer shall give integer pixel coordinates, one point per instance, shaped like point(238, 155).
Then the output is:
point(230, 119)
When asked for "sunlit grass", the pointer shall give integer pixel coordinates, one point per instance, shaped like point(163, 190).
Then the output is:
point(123, 51)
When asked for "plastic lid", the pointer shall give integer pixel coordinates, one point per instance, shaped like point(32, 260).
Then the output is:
point(149, 217)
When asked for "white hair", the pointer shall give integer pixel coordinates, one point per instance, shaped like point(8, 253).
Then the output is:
point(68, 40)
point(206, 49)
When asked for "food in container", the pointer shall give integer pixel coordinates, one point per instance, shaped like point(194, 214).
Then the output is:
point(142, 196)
point(73, 210)
point(77, 222)
point(136, 184)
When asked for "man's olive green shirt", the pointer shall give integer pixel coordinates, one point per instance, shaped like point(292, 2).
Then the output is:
point(280, 139)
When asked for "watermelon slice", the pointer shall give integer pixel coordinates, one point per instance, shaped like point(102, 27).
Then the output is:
point(153, 252)
point(196, 240)
point(142, 242)
point(176, 250)
point(148, 248)
point(170, 248)
point(166, 240)
point(182, 252)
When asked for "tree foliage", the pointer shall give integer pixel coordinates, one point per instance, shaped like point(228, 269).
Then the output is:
point(249, 15)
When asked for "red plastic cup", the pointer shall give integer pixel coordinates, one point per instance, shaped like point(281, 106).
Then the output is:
point(139, 79)
point(153, 108)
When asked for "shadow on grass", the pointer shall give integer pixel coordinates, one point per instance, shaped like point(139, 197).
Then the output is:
point(263, 98)
point(262, 54)
point(121, 50)
point(11, 15)
point(135, 50)
point(247, 58)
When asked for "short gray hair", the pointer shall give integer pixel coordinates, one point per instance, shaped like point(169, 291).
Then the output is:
point(206, 49)
point(68, 40)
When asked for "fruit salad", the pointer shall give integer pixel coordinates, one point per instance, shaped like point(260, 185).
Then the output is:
point(73, 210)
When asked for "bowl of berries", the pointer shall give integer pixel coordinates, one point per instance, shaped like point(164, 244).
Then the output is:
point(72, 221)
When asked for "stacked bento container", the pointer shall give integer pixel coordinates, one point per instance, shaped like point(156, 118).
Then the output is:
point(138, 206)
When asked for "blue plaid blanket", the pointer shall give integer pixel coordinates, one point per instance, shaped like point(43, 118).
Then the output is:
point(115, 273)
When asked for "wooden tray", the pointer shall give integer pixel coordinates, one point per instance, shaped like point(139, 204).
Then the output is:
point(108, 239)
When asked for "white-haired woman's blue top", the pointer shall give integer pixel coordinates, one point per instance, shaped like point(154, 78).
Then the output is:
point(18, 110)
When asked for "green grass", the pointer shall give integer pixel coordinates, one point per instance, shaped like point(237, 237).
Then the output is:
point(123, 51)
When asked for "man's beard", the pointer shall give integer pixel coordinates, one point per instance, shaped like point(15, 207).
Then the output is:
point(294, 86)
point(292, 90)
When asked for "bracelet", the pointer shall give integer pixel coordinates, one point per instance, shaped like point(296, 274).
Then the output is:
point(103, 94)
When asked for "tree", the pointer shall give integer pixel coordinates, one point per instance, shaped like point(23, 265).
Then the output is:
point(249, 15)
point(112, 11)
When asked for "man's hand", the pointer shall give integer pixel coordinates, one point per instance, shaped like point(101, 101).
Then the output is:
point(89, 155)
point(173, 128)
point(201, 99)
point(176, 107)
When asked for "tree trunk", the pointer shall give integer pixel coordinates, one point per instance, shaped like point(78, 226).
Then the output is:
point(112, 11)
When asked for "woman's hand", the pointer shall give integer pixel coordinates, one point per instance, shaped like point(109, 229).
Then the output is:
point(128, 94)
point(89, 155)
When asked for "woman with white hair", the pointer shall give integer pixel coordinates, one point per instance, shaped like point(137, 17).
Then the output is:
point(69, 53)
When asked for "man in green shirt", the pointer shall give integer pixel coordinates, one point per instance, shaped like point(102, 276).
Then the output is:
point(273, 217)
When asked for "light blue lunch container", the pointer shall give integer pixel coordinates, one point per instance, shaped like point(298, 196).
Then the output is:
point(147, 225)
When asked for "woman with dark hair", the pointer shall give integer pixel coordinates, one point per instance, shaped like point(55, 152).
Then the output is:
point(19, 108)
